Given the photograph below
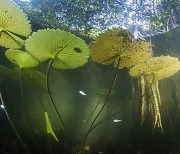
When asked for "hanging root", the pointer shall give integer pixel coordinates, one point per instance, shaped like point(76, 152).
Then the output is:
point(143, 101)
point(157, 102)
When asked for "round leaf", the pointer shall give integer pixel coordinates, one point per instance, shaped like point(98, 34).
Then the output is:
point(21, 58)
point(109, 45)
point(156, 68)
point(13, 23)
point(67, 50)
point(137, 52)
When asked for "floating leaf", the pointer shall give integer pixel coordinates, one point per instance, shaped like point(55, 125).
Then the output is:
point(49, 127)
point(13, 24)
point(70, 57)
point(109, 45)
point(21, 58)
point(138, 51)
point(156, 68)
point(66, 49)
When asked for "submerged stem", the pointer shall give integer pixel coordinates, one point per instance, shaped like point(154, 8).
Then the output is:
point(26, 114)
point(39, 97)
point(94, 109)
point(105, 102)
point(13, 126)
point(52, 101)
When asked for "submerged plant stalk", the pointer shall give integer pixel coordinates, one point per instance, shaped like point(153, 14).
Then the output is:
point(94, 109)
point(26, 114)
point(13, 126)
point(105, 102)
point(39, 97)
point(52, 101)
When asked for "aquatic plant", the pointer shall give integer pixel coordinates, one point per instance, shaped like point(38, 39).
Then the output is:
point(150, 72)
point(137, 56)
point(49, 127)
point(108, 46)
point(66, 50)
point(117, 47)
point(63, 49)
point(22, 60)
point(30, 76)
point(136, 52)
point(13, 126)
point(14, 25)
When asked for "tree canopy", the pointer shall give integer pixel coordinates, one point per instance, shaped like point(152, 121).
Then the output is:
point(149, 15)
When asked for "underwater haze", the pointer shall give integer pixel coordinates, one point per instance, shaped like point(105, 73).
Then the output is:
point(89, 77)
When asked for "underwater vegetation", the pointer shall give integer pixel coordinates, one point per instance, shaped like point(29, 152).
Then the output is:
point(57, 49)
point(138, 57)
point(14, 25)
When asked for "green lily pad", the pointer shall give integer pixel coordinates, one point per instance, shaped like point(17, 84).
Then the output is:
point(72, 56)
point(67, 50)
point(21, 58)
point(12, 21)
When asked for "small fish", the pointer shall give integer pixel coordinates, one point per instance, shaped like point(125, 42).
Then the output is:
point(82, 93)
point(117, 120)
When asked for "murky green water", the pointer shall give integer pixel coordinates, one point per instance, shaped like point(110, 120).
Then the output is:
point(91, 109)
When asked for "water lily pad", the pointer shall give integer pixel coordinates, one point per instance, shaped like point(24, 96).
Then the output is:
point(21, 58)
point(72, 56)
point(70, 50)
point(156, 68)
point(136, 52)
point(109, 45)
point(12, 21)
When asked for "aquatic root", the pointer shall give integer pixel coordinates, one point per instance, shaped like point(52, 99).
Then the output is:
point(156, 106)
